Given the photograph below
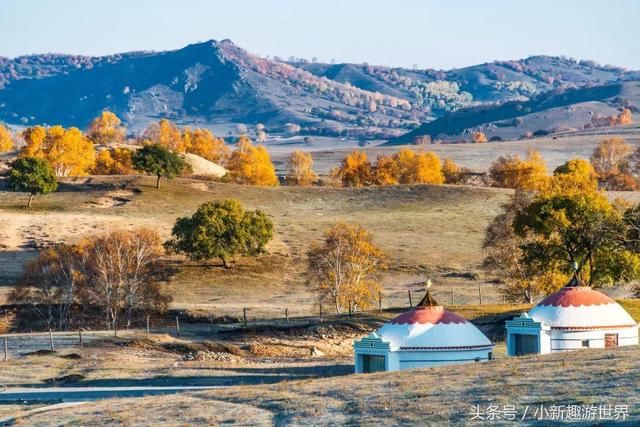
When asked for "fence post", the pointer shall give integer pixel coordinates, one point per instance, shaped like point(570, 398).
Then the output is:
point(115, 328)
point(453, 296)
point(410, 303)
point(51, 341)
point(80, 336)
point(349, 308)
point(178, 326)
point(380, 301)
point(211, 323)
point(320, 311)
point(480, 294)
point(148, 331)
point(286, 314)
point(6, 349)
point(244, 317)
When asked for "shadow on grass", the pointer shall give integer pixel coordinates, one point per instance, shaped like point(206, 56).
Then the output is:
point(247, 376)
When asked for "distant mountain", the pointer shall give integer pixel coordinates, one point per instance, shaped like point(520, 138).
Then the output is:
point(549, 112)
point(212, 82)
point(219, 83)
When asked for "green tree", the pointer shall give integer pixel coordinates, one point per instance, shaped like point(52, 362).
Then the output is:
point(158, 160)
point(221, 229)
point(581, 230)
point(32, 175)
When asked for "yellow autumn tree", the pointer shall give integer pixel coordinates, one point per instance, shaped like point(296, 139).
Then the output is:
point(575, 176)
point(203, 143)
point(478, 137)
point(165, 133)
point(624, 118)
point(355, 170)
point(251, 164)
point(419, 168)
point(106, 129)
point(301, 169)
point(34, 141)
point(453, 174)
point(69, 151)
point(114, 161)
point(6, 140)
point(386, 171)
point(345, 267)
point(514, 172)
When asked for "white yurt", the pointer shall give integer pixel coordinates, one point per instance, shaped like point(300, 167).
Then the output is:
point(427, 335)
point(575, 317)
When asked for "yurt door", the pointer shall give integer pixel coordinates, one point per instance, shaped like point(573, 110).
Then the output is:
point(610, 340)
point(372, 363)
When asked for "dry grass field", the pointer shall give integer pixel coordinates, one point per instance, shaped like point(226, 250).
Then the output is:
point(440, 396)
point(425, 230)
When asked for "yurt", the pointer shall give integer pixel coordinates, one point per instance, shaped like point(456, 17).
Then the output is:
point(427, 335)
point(575, 317)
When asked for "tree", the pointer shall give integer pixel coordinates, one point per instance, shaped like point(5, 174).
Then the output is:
point(580, 230)
point(301, 169)
point(158, 160)
point(106, 129)
point(385, 171)
point(68, 151)
point(6, 140)
point(32, 175)
point(453, 174)
point(251, 164)
point(166, 134)
point(574, 176)
point(345, 266)
point(518, 280)
point(513, 172)
point(201, 142)
point(478, 137)
point(51, 284)
point(121, 274)
point(624, 118)
point(418, 168)
point(355, 170)
point(611, 161)
point(221, 229)
point(114, 161)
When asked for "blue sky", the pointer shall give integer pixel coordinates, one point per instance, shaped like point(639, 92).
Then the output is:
point(428, 33)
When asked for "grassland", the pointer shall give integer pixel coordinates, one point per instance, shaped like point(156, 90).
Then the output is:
point(426, 230)
point(440, 396)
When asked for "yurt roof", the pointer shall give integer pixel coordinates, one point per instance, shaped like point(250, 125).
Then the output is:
point(580, 307)
point(428, 326)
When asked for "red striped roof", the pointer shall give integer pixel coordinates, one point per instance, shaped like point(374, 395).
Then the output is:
point(430, 314)
point(576, 296)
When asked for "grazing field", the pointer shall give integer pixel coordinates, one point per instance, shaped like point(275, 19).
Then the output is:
point(451, 394)
point(434, 231)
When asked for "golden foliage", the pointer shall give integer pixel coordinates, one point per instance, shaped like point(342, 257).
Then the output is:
point(165, 133)
point(575, 176)
point(453, 174)
point(6, 140)
point(419, 168)
point(203, 143)
point(513, 172)
point(624, 118)
point(301, 169)
point(386, 171)
point(355, 170)
point(105, 129)
point(345, 267)
point(609, 155)
point(251, 164)
point(68, 151)
point(114, 161)
point(478, 138)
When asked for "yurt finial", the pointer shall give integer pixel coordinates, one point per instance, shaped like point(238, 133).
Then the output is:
point(427, 284)
point(428, 300)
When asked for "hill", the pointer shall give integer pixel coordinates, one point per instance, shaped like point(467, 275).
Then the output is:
point(548, 112)
point(205, 83)
point(219, 84)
